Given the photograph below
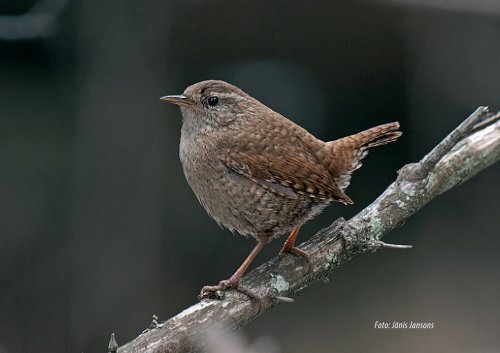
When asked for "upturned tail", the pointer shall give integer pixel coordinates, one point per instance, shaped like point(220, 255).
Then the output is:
point(345, 155)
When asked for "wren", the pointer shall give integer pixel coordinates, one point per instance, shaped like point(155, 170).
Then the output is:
point(259, 174)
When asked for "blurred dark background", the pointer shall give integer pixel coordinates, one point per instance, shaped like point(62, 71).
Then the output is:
point(99, 229)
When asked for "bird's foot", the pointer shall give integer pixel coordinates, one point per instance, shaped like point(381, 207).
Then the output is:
point(298, 252)
point(217, 291)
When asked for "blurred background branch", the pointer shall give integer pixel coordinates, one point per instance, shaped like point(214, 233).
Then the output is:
point(38, 20)
point(465, 152)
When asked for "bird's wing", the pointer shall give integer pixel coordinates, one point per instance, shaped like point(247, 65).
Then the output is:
point(288, 169)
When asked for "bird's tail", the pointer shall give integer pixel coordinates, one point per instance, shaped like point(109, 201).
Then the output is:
point(347, 153)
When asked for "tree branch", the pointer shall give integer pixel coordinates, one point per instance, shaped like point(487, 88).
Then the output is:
point(470, 148)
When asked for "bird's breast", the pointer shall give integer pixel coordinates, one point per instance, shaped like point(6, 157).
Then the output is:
point(202, 168)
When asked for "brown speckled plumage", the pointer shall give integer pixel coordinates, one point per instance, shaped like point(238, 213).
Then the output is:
point(258, 173)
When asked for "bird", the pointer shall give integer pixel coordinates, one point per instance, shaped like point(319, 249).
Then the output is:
point(258, 173)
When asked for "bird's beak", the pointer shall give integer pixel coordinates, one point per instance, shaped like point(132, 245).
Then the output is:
point(179, 100)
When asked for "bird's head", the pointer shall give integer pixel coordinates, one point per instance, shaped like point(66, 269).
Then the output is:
point(213, 104)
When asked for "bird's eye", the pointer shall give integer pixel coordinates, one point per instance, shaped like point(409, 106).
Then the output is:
point(212, 101)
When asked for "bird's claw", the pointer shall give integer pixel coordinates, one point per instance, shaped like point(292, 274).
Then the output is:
point(217, 291)
point(299, 253)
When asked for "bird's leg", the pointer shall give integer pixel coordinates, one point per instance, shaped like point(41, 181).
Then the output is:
point(234, 280)
point(288, 246)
